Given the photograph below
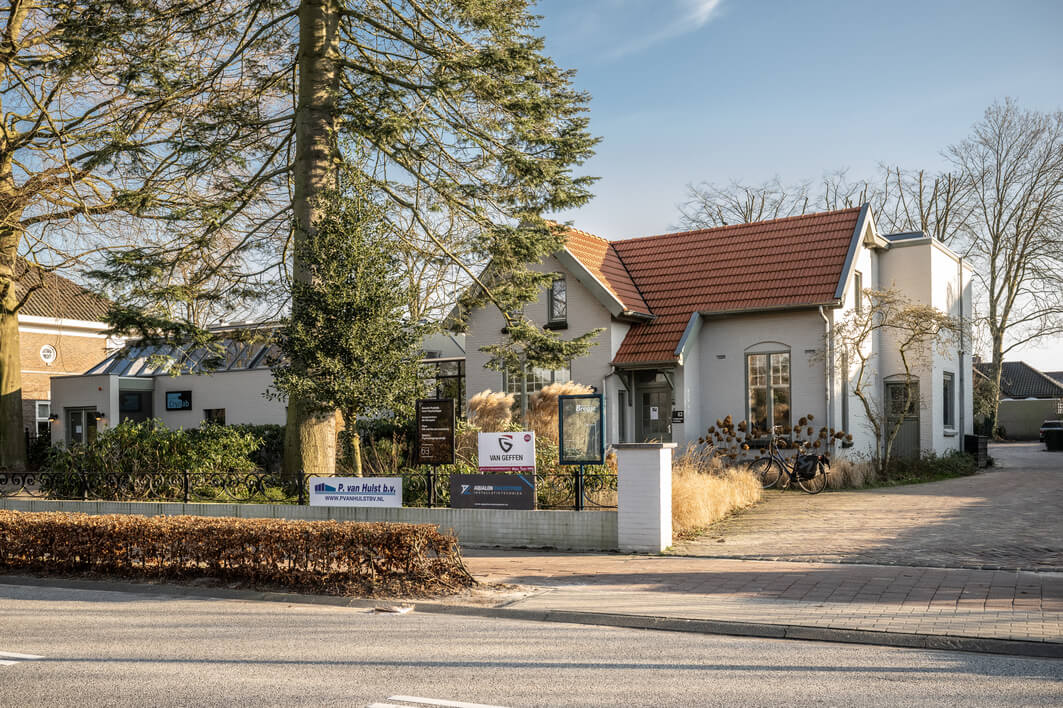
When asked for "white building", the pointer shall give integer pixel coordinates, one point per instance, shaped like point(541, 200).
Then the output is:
point(735, 321)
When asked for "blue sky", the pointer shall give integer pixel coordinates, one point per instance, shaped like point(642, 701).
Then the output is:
point(713, 90)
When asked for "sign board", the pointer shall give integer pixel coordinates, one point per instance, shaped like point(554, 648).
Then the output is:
point(356, 491)
point(506, 452)
point(435, 431)
point(580, 420)
point(655, 413)
point(492, 491)
point(677, 416)
point(178, 400)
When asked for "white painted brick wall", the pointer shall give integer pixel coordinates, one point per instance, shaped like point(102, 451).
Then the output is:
point(644, 490)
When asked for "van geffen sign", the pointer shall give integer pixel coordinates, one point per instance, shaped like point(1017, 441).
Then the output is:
point(492, 491)
point(356, 491)
point(506, 452)
point(435, 431)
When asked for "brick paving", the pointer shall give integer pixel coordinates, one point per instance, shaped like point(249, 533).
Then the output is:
point(1010, 516)
point(953, 558)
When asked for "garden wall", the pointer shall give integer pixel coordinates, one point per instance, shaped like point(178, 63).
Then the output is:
point(568, 530)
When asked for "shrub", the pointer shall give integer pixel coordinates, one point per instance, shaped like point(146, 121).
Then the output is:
point(930, 467)
point(269, 457)
point(704, 490)
point(542, 407)
point(490, 411)
point(316, 556)
point(847, 473)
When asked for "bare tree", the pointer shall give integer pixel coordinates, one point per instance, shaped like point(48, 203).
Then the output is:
point(913, 332)
point(1013, 166)
point(709, 205)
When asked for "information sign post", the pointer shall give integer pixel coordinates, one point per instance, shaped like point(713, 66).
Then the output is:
point(581, 429)
point(435, 438)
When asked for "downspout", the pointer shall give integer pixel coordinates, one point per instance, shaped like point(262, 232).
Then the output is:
point(963, 367)
point(828, 365)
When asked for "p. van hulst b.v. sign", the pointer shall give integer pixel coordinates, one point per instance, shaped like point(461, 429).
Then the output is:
point(356, 491)
point(506, 452)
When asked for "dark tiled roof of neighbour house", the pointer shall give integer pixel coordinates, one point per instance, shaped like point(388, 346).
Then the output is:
point(1056, 376)
point(1020, 380)
point(52, 295)
point(770, 264)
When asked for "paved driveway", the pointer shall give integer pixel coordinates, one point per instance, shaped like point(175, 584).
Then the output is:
point(1009, 516)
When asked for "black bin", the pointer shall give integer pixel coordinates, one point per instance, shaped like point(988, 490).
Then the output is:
point(978, 446)
point(1054, 440)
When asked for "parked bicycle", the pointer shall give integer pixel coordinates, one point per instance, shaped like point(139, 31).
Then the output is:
point(809, 471)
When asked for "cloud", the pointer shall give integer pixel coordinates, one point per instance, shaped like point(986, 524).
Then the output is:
point(691, 16)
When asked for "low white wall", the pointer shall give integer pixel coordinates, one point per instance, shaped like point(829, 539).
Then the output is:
point(568, 530)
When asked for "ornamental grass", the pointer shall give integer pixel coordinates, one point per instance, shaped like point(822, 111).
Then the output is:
point(705, 490)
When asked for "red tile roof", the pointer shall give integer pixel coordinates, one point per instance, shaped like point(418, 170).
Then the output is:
point(599, 257)
point(764, 265)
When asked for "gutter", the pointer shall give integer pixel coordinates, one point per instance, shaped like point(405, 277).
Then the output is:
point(963, 378)
point(828, 365)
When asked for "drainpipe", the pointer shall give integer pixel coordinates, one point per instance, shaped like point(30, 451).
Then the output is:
point(963, 367)
point(828, 365)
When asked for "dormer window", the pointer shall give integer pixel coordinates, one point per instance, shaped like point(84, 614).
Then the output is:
point(558, 303)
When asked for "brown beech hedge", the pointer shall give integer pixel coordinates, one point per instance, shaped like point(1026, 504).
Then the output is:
point(342, 558)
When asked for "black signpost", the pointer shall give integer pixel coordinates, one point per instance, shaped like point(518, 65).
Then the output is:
point(435, 437)
point(581, 429)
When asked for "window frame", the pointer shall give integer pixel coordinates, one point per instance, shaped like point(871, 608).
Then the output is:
point(553, 318)
point(948, 400)
point(769, 388)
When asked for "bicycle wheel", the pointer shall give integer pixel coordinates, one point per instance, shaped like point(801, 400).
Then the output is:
point(767, 470)
point(816, 484)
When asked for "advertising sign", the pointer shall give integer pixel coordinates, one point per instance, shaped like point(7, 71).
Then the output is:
point(356, 491)
point(435, 431)
point(580, 420)
point(507, 452)
point(492, 491)
point(178, 400)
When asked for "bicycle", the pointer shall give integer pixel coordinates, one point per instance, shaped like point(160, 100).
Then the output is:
point(809, 471)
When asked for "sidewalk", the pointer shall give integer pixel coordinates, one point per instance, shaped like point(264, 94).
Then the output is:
point(887, 602)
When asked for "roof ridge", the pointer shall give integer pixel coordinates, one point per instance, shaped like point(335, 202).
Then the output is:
point(744, 224)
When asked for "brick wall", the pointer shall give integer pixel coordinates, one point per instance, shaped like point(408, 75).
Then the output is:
point(74, 355)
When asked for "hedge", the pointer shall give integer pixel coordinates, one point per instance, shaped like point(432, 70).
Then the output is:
point(340, 558)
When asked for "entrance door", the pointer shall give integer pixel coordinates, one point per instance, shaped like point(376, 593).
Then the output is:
point(655, 414)
point(80, 425)
point(906, 444)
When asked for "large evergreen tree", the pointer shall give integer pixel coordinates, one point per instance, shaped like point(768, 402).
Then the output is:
point(125, 122)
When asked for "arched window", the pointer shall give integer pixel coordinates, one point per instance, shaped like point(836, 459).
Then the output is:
point(768, 385)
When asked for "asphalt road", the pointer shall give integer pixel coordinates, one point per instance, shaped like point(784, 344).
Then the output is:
point(121, 649)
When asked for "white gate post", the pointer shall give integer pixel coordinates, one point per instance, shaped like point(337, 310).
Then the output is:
point(644, 496)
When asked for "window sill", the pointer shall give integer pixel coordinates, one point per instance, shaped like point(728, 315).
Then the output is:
point(559, 324)
point(950, 432)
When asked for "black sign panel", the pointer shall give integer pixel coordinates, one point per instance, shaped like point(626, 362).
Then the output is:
point(178, 400)
point(435, 431)
point(492, 491)
point(580, 421)
point(677, 416)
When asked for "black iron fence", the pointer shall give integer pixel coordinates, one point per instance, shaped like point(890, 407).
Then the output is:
point(425, 487)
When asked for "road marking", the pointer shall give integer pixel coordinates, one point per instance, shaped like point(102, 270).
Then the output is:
point(439, 702)
point(10, 658)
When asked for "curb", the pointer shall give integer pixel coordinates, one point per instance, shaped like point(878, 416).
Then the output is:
point(980, 645)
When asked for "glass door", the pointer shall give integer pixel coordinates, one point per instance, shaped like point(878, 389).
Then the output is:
point(80, 425)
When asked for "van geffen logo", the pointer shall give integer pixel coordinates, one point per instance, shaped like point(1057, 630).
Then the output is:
point(506, 444)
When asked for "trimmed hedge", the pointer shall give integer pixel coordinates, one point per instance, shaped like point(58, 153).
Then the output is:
point(339, 558)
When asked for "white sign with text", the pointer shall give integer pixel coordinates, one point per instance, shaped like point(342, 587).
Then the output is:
point(507, 452)
point(356, 491)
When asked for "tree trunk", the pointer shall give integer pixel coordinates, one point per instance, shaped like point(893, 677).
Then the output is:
point(315, 160)
point(356, 453)
point(994, 376)
point(12, 436)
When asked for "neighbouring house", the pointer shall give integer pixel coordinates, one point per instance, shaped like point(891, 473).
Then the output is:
point(60, 332)
point(137, 382)
point(1027, 398)
point(736, 321)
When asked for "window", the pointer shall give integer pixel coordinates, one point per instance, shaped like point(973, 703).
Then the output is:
point(858, 292)
point(537, 378)
point(44, 409)
point(445, 379)
point(558, 301)
point(768, 377)
point(215, 416)
point(948, 400)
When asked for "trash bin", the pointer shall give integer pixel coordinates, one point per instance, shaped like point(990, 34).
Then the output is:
point(1054, 440)
point(978, 446)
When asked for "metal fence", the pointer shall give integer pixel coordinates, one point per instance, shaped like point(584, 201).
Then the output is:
point(577, 489)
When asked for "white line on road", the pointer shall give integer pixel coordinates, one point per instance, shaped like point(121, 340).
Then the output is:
point(440, 702)
point(10, 658)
